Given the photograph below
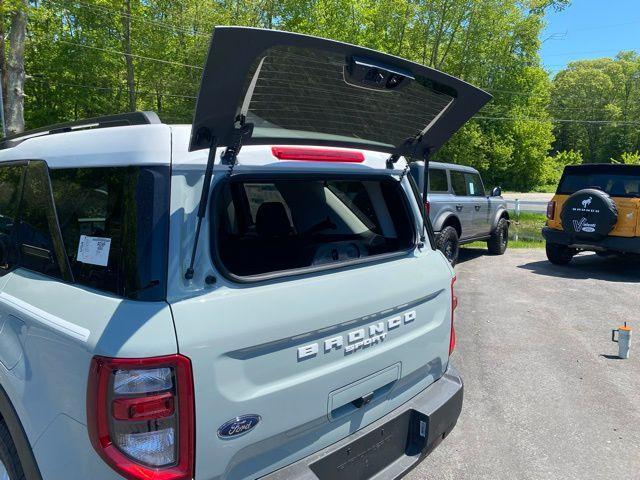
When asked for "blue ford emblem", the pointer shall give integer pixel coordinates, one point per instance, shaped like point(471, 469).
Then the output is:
point(238, 426)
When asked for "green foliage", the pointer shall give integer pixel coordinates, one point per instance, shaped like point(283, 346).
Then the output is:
point(554, 165)
point(76, 66)
point(628, 158)
point(598, 90)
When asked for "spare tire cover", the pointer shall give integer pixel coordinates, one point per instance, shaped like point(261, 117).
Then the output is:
point(589, 214)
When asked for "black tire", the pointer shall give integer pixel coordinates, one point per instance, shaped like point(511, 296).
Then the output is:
point(449, 244)
point(9, 456)
point(559, 254)
point(499, 240)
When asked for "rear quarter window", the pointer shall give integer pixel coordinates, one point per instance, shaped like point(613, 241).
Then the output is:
point(126, 206)
point(438, 181)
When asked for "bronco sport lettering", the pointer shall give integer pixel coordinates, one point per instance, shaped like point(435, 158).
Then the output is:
point(358, 339)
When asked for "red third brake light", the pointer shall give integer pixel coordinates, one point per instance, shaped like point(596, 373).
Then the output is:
point(140, 416)
point(307, 154)
point(551, 210)
point(454, 305)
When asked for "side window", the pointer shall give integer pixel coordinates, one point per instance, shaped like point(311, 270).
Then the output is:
point(438, 181)
point(458, 183)
point(38, 237)
point(10, 191)
point(474, 185)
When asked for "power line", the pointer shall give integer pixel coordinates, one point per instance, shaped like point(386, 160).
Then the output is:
point(167, 25)
point(133, 55)
point(559, 120)
point(590, 52)
point(101, 88)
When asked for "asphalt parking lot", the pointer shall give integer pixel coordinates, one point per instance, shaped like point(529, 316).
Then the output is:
point(545, 395)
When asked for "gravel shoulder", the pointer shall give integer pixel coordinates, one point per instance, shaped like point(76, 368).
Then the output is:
point(545, 396)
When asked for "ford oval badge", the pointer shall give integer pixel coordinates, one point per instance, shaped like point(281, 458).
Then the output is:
point(238, 426)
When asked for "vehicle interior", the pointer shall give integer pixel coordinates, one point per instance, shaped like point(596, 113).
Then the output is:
point(280, 224)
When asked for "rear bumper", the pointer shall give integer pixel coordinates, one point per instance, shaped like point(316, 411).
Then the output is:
point(430, 416)
point(618, 244)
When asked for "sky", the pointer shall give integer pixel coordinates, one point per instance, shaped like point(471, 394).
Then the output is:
point(590, 29)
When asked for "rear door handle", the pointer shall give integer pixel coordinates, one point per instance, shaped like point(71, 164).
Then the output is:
point(459, 207)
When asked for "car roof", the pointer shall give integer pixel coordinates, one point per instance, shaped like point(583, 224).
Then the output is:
point(101, 147)
point(450, 166)
point(147, 145)
point(603, 168)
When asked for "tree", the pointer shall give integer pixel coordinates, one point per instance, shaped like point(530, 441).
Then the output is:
point(12, 64)
point(600, 101)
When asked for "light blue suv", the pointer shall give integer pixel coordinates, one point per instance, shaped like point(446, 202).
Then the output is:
point(256, 295)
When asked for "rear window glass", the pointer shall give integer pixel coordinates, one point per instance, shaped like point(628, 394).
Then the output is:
point(438, 180)
point(293, 92)
point(123, 211)
point(616, 185)
point(275, 226)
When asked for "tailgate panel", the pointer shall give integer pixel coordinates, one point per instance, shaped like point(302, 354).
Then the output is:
point(244, 344)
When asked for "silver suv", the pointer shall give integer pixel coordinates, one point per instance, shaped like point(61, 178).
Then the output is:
point(460, 210)
point(255, 295)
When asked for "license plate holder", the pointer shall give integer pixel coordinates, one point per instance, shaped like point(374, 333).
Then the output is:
point(371, 453)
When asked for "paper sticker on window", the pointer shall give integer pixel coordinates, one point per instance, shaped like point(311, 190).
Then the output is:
point(94, 250)
point(472, 188)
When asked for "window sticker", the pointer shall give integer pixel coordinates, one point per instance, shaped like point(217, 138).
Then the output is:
point(472, 188)
point(94, 250)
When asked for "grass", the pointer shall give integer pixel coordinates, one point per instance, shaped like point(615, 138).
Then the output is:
point(524, 232)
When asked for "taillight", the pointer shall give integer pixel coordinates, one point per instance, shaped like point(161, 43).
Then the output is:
point(140, 416)
point(317, 154)
point(427, 207)
point(454, 305)
point(551, 210)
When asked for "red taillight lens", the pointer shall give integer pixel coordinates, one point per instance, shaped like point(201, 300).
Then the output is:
point(551, 210)
point(140, 416)
point(306, 154)
point(427, 207)
point(454, 305)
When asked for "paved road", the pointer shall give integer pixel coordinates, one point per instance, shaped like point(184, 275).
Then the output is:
point(529, 202)
point(529, 197)
point(544, 396)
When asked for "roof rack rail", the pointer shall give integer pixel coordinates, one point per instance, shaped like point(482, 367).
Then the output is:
point(118, 120)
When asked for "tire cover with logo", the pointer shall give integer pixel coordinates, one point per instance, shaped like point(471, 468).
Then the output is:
point(589, 214)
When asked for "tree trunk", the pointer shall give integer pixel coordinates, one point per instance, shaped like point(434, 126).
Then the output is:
point(3, 66)
point(14, 95)
point(126, 46)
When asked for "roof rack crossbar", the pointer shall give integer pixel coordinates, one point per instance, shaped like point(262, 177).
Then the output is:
point(107, 121)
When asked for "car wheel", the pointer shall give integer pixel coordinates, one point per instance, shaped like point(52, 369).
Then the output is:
point(559, 254)
point(449, 244)
point(499, 240)
point(10, 468)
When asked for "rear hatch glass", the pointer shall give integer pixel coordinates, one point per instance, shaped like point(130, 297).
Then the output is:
point(616, 180)
point(275, 225)
point(296, 89)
